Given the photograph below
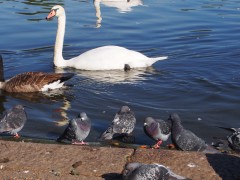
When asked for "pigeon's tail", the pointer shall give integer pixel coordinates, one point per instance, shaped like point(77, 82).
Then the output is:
point(174, 176)
point(222, 146)
point(107, 135)
point(211, 150)
point(66, 135)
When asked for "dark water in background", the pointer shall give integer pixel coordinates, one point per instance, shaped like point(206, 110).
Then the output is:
point(200, 80)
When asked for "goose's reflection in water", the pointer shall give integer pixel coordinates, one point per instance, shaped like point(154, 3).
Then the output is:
point(122, 6)
point(35, 100)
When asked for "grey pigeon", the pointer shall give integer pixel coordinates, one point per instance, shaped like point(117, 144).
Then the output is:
point(186, 140)
point(157, 129)
point(234, 138)
point(139, 171)
point(13, 120)
point(122, 124)
point(77, 129)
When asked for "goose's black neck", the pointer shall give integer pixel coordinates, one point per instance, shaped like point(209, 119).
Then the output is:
point(1, 70)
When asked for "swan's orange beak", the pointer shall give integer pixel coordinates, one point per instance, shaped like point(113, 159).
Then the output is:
point(51, 15)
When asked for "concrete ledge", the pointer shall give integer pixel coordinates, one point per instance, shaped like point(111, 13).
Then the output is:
point(23, 160)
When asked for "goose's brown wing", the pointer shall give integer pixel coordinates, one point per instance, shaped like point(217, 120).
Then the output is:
point(34, 81)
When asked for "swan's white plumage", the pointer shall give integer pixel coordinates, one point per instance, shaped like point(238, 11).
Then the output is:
point(102, 58)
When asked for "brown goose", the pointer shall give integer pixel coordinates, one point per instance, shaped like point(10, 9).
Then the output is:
point(32, 81)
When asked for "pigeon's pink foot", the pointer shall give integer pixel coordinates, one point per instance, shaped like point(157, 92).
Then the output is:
point(16, 136)
point(157, 145)
point(79, 143)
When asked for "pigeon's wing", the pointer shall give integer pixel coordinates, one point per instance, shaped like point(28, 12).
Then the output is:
point(4, 126)
point(70, 131)
point(151, 171)
point(144, 172)
point(165, 127)
point(107, 135)
point(234, 141)
point(124, 123)
point(188, 141)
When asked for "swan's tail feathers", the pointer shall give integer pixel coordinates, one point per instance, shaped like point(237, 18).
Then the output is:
point(153, 60)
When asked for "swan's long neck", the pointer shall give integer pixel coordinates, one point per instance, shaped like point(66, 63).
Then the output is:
point(58, 57)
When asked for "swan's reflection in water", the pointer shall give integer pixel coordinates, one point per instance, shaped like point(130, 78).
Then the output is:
point(113, 76)
point(122, 6)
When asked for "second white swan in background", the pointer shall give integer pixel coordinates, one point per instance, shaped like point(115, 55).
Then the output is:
point(102, 58)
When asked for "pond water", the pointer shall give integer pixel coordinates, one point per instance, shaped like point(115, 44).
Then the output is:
point(200, 80)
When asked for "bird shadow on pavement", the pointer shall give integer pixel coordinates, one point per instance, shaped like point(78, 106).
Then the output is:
point(225, 165)
point(111, 176)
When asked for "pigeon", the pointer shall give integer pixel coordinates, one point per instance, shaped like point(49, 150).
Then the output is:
point(77, 130)
point(122, 124)
point(157, 129)
point(186, 140)
point(234, 138)
point(13, 120)
point(137, 171)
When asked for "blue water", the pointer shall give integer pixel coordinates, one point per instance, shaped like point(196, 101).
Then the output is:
point(200, 80)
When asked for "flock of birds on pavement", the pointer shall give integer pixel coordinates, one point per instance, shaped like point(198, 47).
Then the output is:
point(12, 121)
point(78, 129)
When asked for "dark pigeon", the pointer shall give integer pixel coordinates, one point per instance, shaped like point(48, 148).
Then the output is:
point(139, 171)
point(77, 129)
point(234, 138)
point(13, 120)
point(186, 140)
point(157, 129)
point(122, 124)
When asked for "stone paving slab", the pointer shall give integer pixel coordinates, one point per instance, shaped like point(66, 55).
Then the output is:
point(27, 160)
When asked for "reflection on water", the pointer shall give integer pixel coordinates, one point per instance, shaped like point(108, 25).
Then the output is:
point(62, 116)
point(34, 14)
point(113, 76)
point(122, 6)
point(57, 95)
point(40, 97)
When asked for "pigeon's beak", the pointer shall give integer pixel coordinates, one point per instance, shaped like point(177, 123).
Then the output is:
point(145, 124)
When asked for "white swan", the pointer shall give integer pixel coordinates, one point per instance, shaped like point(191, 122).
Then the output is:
point(102, 58)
